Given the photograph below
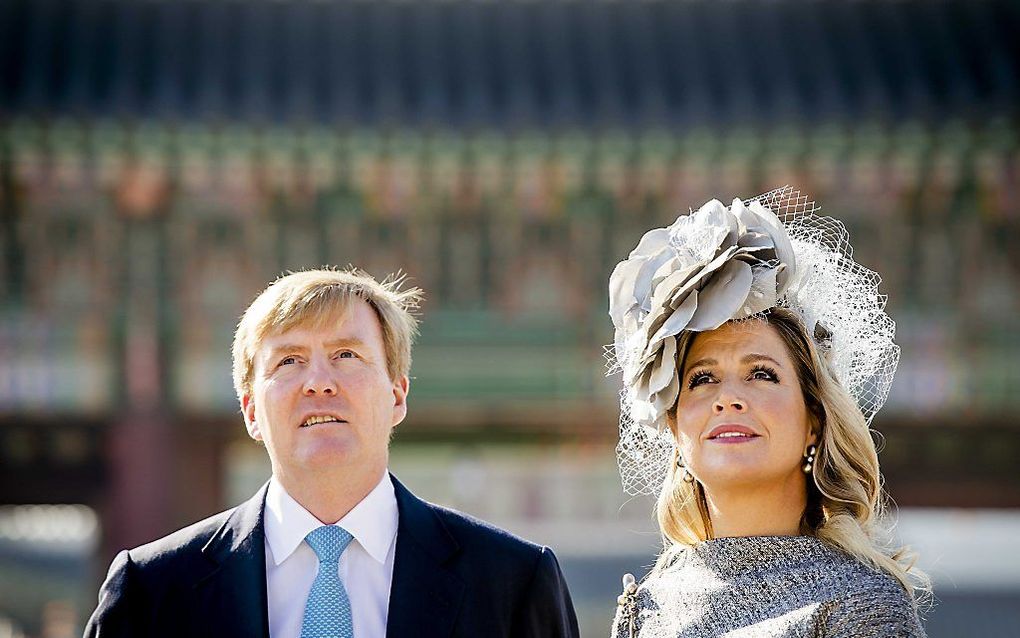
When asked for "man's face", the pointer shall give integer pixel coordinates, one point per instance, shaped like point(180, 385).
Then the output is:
point(322, 397)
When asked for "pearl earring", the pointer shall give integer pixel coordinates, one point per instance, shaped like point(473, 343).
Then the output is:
point(687, 476)
point(809, 459)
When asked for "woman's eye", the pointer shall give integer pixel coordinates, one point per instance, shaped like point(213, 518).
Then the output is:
point(286, 361)
point(698, 378)
point(764, 374)
point(345, 354)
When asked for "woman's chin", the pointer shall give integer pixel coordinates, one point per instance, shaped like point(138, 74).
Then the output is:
point(735, 473)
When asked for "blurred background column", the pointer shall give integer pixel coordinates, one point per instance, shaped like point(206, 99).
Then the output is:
point(140, 444)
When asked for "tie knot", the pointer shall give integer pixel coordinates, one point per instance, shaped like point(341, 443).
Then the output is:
point(328, 542)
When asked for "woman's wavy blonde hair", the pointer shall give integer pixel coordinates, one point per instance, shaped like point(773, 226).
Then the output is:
point(845, 503)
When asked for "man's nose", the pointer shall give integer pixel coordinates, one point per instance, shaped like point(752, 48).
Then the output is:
point(320, 380)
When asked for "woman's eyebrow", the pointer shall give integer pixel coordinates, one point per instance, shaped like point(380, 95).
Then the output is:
point(706, 361)
point(753, 357)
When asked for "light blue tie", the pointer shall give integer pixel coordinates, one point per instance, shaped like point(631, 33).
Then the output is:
point(328, 610)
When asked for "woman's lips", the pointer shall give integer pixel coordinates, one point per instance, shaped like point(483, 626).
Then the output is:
point(732, 433)
point(734, 438)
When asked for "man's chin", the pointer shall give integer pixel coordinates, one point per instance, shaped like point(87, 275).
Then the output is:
point(327, 453)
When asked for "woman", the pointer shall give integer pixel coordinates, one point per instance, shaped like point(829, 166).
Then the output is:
point(755, 353)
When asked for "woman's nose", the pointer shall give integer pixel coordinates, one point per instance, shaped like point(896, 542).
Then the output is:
point(728, 400)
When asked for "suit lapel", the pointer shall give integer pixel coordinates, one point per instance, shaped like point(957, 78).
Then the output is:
point(233, 592)
point(425, 595)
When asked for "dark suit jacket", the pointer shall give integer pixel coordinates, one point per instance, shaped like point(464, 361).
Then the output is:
point(452, 576)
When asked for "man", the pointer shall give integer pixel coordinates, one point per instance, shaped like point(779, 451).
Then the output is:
point(332, 545)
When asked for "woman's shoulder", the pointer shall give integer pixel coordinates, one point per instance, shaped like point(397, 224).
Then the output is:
point(855, 600)
point(854, 579)
point(871, 602)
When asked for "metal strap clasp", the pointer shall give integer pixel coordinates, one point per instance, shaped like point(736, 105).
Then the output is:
point(628, 601)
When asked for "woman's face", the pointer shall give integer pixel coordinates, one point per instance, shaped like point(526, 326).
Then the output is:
point(741, 418)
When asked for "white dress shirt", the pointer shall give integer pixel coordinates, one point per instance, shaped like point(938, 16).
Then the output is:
point(366, 566)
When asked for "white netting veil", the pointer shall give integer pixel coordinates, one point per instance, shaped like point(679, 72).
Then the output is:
point(723, 263)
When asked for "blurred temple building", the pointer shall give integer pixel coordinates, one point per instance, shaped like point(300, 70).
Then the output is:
point(162, 161)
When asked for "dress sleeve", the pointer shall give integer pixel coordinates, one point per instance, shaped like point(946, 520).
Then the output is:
point(620, 624)
point(885, 611)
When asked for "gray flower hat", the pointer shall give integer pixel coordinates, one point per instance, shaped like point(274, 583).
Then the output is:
point(722, 263)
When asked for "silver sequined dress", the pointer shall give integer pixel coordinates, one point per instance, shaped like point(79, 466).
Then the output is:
point(767, 587)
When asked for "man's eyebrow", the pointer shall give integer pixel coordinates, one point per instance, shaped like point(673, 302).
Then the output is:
point(347, 341)
point(754, 357)
point(285, 347)
point(335, 343)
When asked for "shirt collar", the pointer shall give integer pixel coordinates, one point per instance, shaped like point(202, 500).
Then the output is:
point(372, 522)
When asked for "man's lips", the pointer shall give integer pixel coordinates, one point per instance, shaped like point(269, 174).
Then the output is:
point(320, 419)
point(731, 433)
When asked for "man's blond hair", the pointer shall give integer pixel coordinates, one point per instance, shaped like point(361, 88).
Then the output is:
point(313, 297)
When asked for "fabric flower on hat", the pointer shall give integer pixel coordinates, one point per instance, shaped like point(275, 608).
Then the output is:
point(719, 264)
point(709, 267)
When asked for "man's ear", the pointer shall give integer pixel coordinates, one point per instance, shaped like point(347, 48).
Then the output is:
point(400, 388)
point(248, 411)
